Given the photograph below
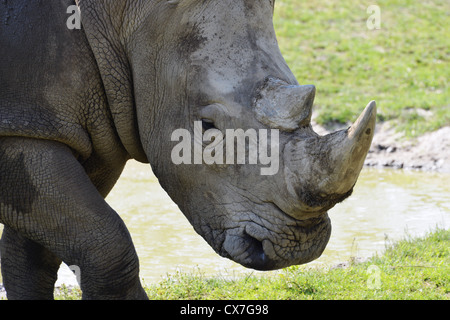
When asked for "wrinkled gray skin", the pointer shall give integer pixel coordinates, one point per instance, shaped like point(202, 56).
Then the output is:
point(75, 105)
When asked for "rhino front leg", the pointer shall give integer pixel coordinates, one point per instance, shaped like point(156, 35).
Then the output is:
point(47, 197)
point(29, 270)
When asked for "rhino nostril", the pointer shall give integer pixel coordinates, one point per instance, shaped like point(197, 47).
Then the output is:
point(256, 245)
point(207, 124)
point(258, 257)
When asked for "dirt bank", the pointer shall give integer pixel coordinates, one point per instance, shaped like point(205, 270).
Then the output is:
point(390, 149)
point(430, 152)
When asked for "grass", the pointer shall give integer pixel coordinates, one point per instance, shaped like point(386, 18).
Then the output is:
point(409, 269)
point(404, 65)
point(413, 268)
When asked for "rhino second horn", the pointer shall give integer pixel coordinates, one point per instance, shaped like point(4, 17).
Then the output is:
point(349, 149)
point(283, 106)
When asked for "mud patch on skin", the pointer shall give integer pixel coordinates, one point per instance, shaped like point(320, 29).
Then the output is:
point(313, 198)
point(16, 188)
point(191, 40)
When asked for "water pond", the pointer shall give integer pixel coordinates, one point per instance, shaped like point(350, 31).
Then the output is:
point(385, 205)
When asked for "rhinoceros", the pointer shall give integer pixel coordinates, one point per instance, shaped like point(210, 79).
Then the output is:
point(76, 103)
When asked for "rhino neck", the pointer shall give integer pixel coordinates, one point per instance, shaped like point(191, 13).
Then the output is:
point(104, 39)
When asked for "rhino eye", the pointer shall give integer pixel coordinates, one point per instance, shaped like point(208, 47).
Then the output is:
point(207, 124)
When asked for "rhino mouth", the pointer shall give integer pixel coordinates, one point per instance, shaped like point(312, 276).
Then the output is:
point(264, 247)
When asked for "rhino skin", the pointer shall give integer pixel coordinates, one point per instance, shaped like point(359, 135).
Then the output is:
point(77, 104)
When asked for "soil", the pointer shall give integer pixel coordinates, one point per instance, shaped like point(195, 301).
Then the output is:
point(390, 149)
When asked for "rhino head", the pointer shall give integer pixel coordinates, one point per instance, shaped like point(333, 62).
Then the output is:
point(215, 66)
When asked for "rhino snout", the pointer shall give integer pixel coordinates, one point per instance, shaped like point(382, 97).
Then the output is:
point(270, 247)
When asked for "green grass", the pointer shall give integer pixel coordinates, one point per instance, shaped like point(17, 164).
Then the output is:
point(413, 268)
point(404, 66)
point(409, 269)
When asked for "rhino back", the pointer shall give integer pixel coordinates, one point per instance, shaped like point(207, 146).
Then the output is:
point(50, 86)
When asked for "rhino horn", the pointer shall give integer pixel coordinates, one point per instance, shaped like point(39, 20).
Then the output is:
point(348, 152)
point(283, 106)
point(321, 171)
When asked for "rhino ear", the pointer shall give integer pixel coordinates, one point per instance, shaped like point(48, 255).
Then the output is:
point(114, 69)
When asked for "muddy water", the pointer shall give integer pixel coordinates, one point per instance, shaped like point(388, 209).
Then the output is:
point(385, 205)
